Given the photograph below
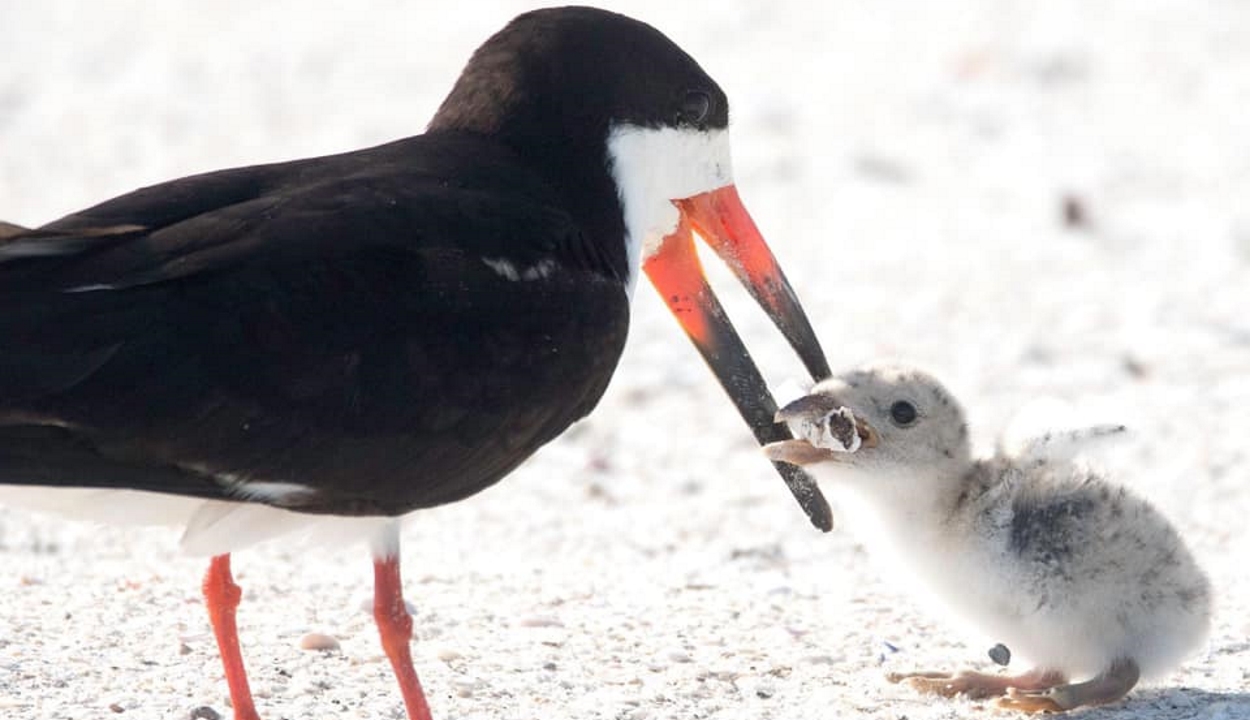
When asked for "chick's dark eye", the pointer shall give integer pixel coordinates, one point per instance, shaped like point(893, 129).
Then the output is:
point(903, 413)
point(694, 108)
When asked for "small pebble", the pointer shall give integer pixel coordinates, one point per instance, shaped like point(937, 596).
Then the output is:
point(1074, 211)
point(447, 655)
point(541, 621)
point(679, 656)
point(467, 688)
point(318, 641)
point(117, 708)
point(1135, 368)
point(1000, 654)
point(205, 712)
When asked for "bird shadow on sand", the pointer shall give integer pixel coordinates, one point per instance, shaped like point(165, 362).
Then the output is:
point(1176, 703)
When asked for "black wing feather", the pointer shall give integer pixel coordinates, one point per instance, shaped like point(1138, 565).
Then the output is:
point(329, 322)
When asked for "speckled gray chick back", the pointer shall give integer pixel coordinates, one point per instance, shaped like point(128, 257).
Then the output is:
point(1088, 552)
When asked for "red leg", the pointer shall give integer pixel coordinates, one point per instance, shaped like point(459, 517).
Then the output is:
point(222, 597)
point(395, 627)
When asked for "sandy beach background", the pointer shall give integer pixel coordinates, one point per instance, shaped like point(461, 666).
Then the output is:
point(1027, 199)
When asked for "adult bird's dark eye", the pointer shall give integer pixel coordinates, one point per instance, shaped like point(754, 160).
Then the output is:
point(903, 413)
point(695, 107)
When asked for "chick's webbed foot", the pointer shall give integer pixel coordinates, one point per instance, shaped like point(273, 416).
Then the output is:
point(976, 685)
point(1030, 702)
point(1109, 686)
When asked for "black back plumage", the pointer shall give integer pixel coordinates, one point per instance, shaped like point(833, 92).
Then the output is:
point(394, 328)
point(330, 322)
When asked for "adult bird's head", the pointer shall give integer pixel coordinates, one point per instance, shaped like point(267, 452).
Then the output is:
point(633, 136)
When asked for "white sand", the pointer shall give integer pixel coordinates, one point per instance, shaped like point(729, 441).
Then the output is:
point(908, 167)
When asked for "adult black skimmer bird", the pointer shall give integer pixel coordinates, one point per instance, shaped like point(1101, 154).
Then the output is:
point(362, 335)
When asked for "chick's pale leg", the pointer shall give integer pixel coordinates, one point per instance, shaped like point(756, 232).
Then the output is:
point(1111, 685)
point(978, 686)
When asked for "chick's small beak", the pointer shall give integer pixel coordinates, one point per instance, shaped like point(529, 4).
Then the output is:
point(810, 409)
point(807, 407)
point(797, 452)
point(868, 437)
point(802, 452)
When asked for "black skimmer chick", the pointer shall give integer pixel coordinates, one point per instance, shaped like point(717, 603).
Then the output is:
point(1076, 575)
point(358, 336)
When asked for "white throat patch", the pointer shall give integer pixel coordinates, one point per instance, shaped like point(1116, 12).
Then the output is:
point(653, 167)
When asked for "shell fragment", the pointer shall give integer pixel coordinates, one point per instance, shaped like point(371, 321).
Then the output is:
point(834, 431)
